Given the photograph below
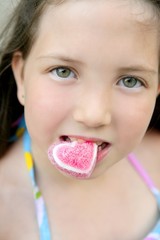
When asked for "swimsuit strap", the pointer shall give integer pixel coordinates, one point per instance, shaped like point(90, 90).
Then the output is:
point(20, 128)
point(145, 176)
point(155, 233)
point(41, 212)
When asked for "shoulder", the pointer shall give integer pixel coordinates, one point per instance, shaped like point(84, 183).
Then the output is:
point(10, 179)
point(10, 164)
point(13, 174)
point(15, 194)
point(10, 170)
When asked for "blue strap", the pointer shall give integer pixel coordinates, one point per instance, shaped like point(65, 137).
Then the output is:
point(41, 212)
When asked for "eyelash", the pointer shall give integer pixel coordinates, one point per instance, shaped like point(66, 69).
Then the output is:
point(73, 76)
point(138, 82)
point(62, 69)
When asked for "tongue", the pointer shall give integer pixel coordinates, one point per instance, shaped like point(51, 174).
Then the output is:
point(74, 158)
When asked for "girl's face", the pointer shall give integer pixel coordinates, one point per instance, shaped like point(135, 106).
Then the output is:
point(91, 73)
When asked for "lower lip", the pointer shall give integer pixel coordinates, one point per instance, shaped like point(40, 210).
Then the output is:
point(103, 153)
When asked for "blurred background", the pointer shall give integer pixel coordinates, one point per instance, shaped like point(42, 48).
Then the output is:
point(6, 7)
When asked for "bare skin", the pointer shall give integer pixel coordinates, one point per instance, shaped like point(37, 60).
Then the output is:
point(114, 204)
point(123, 195)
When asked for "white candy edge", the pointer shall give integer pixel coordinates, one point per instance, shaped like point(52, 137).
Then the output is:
point(70, 168)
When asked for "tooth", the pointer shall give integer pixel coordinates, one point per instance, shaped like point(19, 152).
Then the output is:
point(103, 145)
point(66, 139)
point(81, 141)
point(77, 140)
point(73, 139)
point(99, 148)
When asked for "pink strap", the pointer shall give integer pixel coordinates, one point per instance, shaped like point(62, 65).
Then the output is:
point(133, 160)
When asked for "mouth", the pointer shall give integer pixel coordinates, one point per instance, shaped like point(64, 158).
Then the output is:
point(102, 146)
point(77, 156)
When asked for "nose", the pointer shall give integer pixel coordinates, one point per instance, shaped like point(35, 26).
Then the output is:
point(93, 109)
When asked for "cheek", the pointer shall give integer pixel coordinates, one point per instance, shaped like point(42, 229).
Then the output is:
point(46, 108)
point(133, 121)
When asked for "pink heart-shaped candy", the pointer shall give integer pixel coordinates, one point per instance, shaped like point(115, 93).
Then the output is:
point(74, 158)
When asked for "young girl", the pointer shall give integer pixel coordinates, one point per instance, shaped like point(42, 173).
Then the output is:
point(79, 82)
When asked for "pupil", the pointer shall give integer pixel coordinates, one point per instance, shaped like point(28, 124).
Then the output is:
point(63, 72)
point(130, 82)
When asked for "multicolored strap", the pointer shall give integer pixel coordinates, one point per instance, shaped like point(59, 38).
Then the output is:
point(41, 212)
point(20, 128)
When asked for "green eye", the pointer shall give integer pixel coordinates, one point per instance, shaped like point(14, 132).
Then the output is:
point(130, 82)
point(63, 74)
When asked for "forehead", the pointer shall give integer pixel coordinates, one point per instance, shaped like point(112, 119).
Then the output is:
point(143, 10)
point(76, 14)
point(75, 24)
point(139, 12)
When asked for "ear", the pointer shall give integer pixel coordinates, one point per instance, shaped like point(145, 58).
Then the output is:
point(17, 65)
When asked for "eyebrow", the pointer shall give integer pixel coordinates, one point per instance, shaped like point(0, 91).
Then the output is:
point(138, 68)
point(130, 68)
point(62, 58)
